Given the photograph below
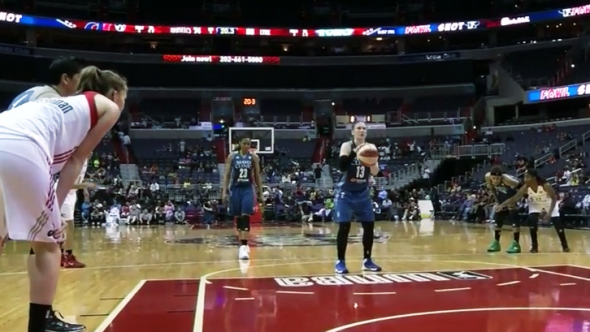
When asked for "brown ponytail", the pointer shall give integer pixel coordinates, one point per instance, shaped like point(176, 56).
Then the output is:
point(101, 81)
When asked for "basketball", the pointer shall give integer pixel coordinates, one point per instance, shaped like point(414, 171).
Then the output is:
point(368, 155)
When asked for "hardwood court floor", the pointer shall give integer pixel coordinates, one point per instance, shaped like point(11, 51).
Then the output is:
point(120, 259)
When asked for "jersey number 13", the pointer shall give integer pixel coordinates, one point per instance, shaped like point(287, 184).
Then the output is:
point(360, 172)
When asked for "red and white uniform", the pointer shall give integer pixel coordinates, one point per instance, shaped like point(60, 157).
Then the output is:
point(36, 139)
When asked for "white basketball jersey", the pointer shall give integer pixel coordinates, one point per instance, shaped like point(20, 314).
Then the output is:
point(35, 93)
point(57, 125)
point(538, 200)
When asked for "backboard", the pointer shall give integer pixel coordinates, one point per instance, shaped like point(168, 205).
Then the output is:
point(263, 138)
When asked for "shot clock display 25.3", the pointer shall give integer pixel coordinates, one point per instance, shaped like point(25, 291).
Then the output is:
point(249, 102)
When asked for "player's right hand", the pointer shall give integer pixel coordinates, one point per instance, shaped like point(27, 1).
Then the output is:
point(498, 208)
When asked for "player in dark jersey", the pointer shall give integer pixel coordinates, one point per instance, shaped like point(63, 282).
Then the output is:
point(242, 171)
point(503, 186)
point(352, 197)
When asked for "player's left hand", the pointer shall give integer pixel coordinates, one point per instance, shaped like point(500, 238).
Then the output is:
point(90, 185)
point(546, 218)
point(498, 208)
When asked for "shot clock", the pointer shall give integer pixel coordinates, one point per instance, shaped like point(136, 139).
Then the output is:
point(249, 102)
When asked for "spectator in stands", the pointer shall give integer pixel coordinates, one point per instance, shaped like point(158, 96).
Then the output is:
point(126, 140)
point(210, 212)
point(466, 208)
point(159, 213)
point(179, 215)
point(411, 211)
point(317, 172)
point(113, 218)
point(85, 210)
point(387, 208)
point(134, 213)
point(326, 212)
point(146, 217)
point(169, 212)
point(154, 187)
point(585, 204)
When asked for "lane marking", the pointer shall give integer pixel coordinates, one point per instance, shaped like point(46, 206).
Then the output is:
point(568, 284)
point(376, 293)
point(502, 267)
point(533, 276)
point(113, 314)
point(294, 292)
point(508, 283)
point(442, 312)
point(452, 289)
point(244, 298)
point(236, 288)
point(318, 259)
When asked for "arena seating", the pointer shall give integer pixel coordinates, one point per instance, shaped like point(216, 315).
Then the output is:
point(172, 164)
point(280, 110)
point(290, 156)
point(167, 110)
point(438, 104)
point(528, 143)
point(371, 105)
point(534, 68)
point(579, 74)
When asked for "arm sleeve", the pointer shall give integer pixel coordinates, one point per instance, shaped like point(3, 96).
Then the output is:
point(344, 161)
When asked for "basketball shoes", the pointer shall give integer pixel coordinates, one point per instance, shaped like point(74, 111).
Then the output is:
point(56, 323)
point(69, 261)
point(244, 252)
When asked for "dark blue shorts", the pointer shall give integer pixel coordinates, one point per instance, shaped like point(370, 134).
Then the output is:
point(349, 203)
point(241, 201)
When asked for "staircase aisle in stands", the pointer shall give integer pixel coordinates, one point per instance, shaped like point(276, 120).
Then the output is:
point(129, 172)
point(120, 150)
point(411, 173)
point(320, 149)
point(221, 169)
point(220, 148)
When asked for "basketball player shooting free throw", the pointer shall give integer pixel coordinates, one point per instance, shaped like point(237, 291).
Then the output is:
point(352, 197)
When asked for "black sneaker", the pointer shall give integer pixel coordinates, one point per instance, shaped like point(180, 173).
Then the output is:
point(56, 323)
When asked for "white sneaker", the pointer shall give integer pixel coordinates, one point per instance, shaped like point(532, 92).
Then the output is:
point(244, 252)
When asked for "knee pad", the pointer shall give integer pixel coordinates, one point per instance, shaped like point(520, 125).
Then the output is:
point(243, 223)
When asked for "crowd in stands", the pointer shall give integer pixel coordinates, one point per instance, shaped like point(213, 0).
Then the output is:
point(166, 196)
point(291, 193)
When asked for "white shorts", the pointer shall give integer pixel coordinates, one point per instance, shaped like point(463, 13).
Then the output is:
point(68, 207)
point(28, 205)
